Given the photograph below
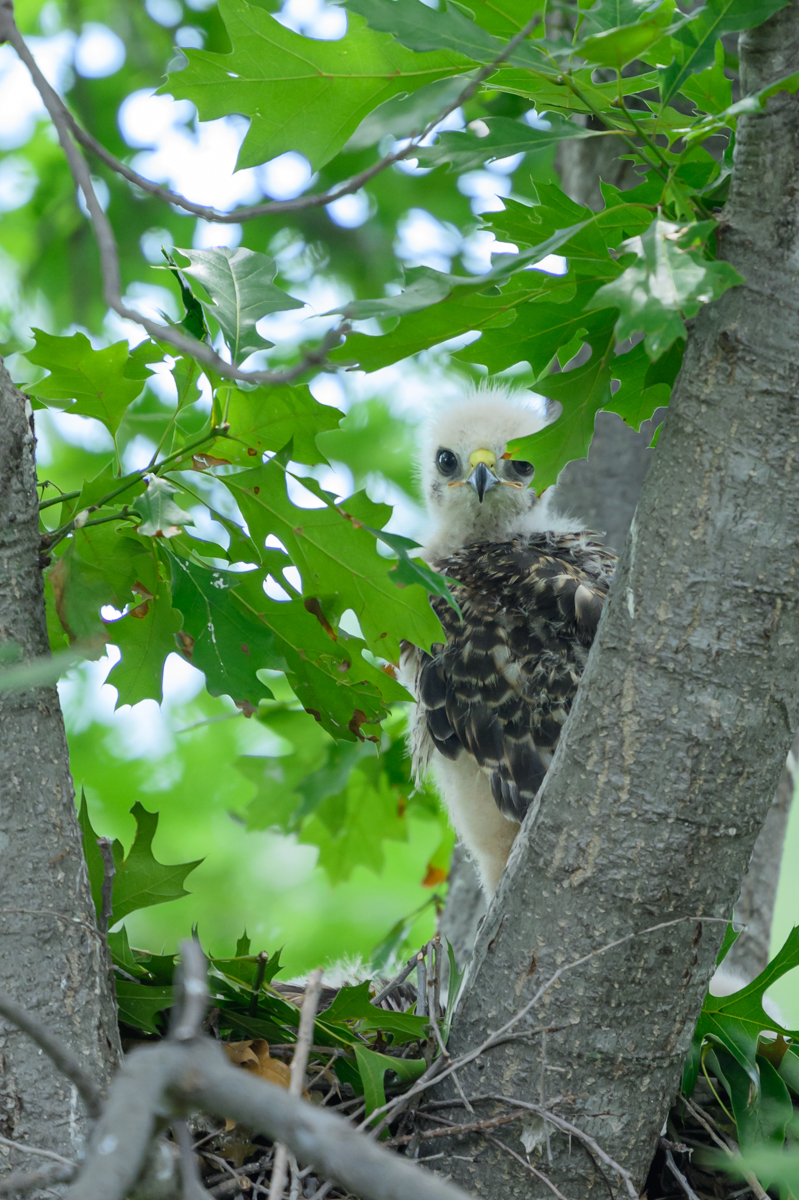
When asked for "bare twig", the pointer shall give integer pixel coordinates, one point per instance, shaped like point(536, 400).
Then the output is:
point(273, 207)
point(191, 993)
point(452, 1129)
point(566, 1127)
point(678, 1175)
point(528, 1166)
point(19, 1182)
point(189, 1166)
point(298, 1065)
point(106, 848)
point(721, 1140)
point(58, 1053)
point(38, 1151)
point(397, 981)
point(421, 981)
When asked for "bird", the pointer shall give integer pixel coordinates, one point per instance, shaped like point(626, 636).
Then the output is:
point(490, 701)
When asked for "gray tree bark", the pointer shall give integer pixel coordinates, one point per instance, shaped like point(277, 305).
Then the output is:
point(672, 755)
point(52, 961)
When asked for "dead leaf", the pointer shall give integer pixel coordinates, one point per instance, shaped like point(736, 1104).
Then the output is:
point(201, 462)
point(254, 1056)
point(434, 876)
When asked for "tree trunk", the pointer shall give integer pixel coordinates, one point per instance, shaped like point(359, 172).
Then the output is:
point(52, 960)
point(669, 762)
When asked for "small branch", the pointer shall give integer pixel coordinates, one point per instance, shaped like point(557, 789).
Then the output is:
point(298, 1064)
point(191, 992)
point(721, 1140)
point(156, 1082)
point(397, 981)
point(28, 1181)
point(451, 1129)
point(106, 847)
point(678, 1175)
point(193, 1188)
point(59, 1054)
point(529, 1166)
point(273, 207)
point(59, 1158)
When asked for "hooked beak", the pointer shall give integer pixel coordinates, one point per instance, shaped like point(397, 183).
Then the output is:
point(482, 478)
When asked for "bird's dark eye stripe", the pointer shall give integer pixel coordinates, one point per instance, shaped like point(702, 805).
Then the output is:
point(521, 467)
point(447, 462)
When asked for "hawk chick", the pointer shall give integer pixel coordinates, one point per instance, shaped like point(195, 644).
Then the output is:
point(491, 700)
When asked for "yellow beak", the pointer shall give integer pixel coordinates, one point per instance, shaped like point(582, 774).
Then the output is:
point(483, 476)
point(483, 456)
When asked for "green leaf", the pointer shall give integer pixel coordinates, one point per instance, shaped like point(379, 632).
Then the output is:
point(736, 1021)
point(422, 28)
point(140, 1003)
point(426, 287)
point(404, 116)
point(669, 279)
point(354, 1004)
point(464, 151)
point(710, 90)
point(637, 26)
point(550, 93)
point(97, 568)
point(299, 93)
point(731, 935)
point(582, 392)
point(87, 382)
point(145, 637)
point(373, 1068)
point(335, 556)
point(328, 675)
point(266, 419)
point(218, 637)
point(350, 829)
point(239, 283)
point(695, 42)
point(636, 400)
point(762, 1114)
point(140, 880)
point(415, 570)
point(160, 516)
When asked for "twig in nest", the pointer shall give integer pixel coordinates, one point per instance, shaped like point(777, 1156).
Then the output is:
point(529, 1166)
point(721, 1139)
point(191, 1179)
point(678, 1175)
point(38, 1152)
point(451, 1129)
point(397, 981)
point(298, 1065)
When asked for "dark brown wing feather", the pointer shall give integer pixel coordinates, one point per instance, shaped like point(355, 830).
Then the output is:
point(502, 685)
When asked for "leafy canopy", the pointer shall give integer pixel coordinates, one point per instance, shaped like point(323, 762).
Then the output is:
point(225, 542)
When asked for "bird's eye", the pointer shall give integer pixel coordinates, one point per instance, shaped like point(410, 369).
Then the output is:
point(447, 462)
point(521, 468)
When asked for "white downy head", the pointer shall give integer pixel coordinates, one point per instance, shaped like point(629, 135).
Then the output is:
point(473, 490)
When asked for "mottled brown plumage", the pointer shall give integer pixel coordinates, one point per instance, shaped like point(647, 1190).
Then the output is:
point(502, 685)
point(492, 699)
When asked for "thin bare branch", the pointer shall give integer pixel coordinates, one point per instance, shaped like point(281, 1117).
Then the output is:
point(529, 1166)
point(451, 1129)
point(678, 1175)
point(60, 1055)
point(191, 1178)
point(191, 993)
point(275, 207)
point(38, 1152)
point(298, 1064)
